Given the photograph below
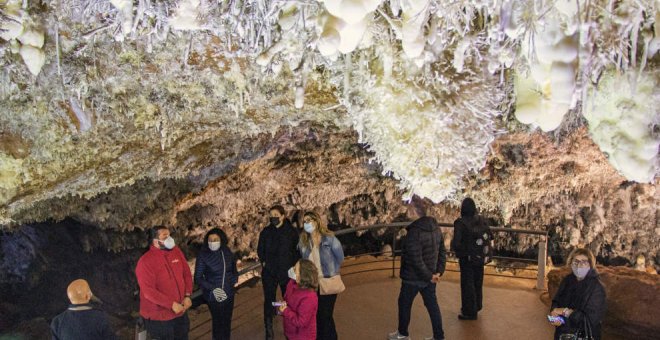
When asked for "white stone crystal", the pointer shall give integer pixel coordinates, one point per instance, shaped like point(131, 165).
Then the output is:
point(125, 8)
point(33, 57)
point(32, 37)
point(621, 115)
point(351, 11)
point(299, 97)
point(11, 29)
point(186, 16)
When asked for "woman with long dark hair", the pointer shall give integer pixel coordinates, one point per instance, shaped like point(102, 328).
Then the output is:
point(216, 273)
point(319, 245)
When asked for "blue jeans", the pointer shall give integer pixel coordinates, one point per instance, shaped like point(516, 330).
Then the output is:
point(406, 297)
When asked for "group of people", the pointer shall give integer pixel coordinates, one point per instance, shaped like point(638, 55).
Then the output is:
point(423, 262)
point(287, 260)
point(305, 266)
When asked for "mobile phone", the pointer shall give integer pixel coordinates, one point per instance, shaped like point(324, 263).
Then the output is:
point(277, 304)
point(556, 319)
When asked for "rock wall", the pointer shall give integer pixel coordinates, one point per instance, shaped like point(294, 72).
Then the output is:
point(38, 261)
point(563, 186)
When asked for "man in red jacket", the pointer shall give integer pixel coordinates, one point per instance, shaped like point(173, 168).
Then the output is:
point(165, 287)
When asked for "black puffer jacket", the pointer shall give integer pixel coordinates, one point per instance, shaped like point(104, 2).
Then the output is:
point(213, 268)
point(587, 300)
point(424, 252)
point(278, 250)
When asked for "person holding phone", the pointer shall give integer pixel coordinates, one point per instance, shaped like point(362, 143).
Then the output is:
point(300, 302)
point(579, 305)
point(277, 251)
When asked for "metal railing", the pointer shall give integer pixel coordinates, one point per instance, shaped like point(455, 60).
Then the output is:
point(253, 267)
point(540, 261)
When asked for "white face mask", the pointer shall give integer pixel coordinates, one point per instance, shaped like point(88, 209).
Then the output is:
point(292, 274)
point(580, 273)
point(169, 242)
point(214, 245)
point(309, 228)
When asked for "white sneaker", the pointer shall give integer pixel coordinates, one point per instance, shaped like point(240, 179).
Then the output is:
point(397, 336)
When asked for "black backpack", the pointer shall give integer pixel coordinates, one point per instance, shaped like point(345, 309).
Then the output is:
point(480, 244)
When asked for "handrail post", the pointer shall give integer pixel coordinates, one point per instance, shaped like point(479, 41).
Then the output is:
point(393, 254)
point(543, 253)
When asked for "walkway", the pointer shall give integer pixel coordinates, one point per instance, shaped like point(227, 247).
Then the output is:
point(368, 310)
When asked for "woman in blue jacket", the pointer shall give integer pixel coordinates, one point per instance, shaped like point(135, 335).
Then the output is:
point(215, 272)
point(319, 245)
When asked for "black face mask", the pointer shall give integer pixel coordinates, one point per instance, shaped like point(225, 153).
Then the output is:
point(274, 221)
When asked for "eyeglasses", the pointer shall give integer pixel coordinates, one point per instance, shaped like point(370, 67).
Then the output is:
point(582, 264)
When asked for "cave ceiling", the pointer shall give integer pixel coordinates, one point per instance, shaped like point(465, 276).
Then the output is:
point(132, 113)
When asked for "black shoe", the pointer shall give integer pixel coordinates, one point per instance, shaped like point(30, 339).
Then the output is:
point(465, 317)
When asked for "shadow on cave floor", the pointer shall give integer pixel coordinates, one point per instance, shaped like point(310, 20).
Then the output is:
point(368, 310)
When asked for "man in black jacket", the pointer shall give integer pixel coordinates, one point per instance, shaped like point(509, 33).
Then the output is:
point(277, 251)
point(422, 263)
point(81, 321)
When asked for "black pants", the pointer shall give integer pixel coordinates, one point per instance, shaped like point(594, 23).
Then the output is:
point(270, 283)
point(407, 295)
point(472, 281)
point(325, 322)
point(221, 313)
point(175, 329)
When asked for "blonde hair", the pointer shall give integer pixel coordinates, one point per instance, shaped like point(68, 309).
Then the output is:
point(309, 275)
point(582, 251)
point(305, 239)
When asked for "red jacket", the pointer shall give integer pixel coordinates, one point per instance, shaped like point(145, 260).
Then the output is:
point(164, 278)
point(300, 314)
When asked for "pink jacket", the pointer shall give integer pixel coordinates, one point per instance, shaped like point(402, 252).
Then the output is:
point(300, 314)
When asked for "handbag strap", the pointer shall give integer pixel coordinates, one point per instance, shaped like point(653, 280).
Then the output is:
point(224, 269)
point(588, 334)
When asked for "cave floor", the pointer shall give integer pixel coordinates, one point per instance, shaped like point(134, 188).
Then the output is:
point(367, 309)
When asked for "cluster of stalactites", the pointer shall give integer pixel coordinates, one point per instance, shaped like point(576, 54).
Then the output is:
point(556, 50)
point(25, 36)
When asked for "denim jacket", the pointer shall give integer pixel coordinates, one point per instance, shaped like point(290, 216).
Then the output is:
point(330, 252)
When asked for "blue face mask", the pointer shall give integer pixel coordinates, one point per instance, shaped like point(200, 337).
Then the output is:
point(309, 228)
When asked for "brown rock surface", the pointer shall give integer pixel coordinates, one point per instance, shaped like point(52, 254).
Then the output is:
point(633, 298)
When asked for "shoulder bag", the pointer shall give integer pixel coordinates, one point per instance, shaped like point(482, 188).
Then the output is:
point(331, 285)
point(219, 294)
point(583, 333)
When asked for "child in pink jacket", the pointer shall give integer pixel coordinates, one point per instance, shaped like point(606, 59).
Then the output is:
point(301, 302)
